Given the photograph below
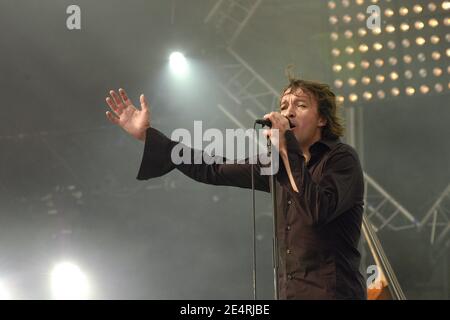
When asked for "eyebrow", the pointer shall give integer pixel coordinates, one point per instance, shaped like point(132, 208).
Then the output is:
point(305, 99)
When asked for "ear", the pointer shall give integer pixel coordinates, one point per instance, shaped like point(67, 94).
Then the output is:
point(322, 122)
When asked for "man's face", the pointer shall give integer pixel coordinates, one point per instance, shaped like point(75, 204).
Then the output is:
point(302, 110)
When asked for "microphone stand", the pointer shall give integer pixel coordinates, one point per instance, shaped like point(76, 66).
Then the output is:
point(275, 256)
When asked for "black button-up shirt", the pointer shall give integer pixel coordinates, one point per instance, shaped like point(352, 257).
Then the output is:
point(318, 228)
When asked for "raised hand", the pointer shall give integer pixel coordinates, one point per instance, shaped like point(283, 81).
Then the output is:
point(127, 116)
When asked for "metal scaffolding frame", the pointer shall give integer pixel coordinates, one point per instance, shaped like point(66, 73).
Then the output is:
point(383, 210)
point(437, 219)
point(231, 16)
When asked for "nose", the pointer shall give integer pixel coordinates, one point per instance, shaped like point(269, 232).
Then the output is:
point(290, 111)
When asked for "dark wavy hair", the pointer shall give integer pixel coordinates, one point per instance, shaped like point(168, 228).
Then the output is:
point(326, 102)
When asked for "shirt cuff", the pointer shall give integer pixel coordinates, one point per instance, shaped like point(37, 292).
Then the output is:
point(156, 159)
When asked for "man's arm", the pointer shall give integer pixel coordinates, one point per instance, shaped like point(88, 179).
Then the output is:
point(157, 161)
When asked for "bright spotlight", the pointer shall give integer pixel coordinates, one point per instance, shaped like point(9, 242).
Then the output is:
point(68, 282)
point(178, 63)
point(4, 292)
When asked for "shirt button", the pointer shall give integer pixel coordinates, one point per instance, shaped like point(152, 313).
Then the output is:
point(288, 228)
point(289, 277)
point(288, 251)
point(289, 202)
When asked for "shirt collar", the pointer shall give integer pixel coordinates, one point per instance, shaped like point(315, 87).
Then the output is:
point(328, 143)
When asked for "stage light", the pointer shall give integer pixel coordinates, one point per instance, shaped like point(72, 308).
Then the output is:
point(392, 61)
point(334, 36)
point(406, 43)
point(432, 7)
point(388, 12)
point(367, 95)
point(421, 57)
point(353, 97)
point(347, 18)
point(391, 44)
point(407, 59)
point(394, 75)
point(434, 39)
point(417, 8)
point(5, 294)
point(337, 68)
point(447, 21)
point(408, 74)
point(423, 72)
point(433, 23)
point(338, 83)
point(410, 91)
point(376, 31)
point(437, 72)
point(390, 28)
point(68, 282)
point(420, 41)
point(379, 78)
point(178, 63)
point(379, 63)
point(377, 46)
point(419, 25)
point(424, 89)
point(403, 11)
point(361, 16)
point(333, 20)
point(363, 48)
point(416, 45)
point(365, 80)
point(404, 27)
point(365, 64)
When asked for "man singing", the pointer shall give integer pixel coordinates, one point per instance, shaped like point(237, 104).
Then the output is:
point(319, 186)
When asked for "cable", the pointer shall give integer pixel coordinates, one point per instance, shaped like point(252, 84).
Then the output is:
point(254, 216)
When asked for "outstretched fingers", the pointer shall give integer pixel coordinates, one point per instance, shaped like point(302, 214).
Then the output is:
point(113, 106)
point(144, 103)
point(117, 101)
point(127, 102)
point(111, 117)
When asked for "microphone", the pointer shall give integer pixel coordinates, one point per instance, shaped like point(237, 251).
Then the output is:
point(264, 122)
point(268, 123)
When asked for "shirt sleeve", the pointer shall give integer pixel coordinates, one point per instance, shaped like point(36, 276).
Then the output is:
point(157, 161)
point(336, 191)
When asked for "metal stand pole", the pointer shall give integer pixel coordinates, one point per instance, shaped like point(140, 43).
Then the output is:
point(275, 255)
